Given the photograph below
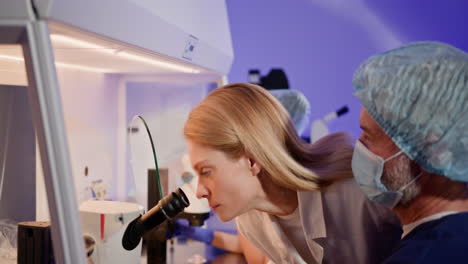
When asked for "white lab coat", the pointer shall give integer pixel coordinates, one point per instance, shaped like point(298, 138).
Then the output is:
point(340, 226)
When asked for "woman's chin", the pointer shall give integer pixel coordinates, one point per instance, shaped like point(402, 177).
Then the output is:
point(225, 217)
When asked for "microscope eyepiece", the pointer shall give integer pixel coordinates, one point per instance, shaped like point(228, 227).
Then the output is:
point(167, 208)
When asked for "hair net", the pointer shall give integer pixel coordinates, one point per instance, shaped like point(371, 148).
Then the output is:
point(418, 94)
point(297, 106)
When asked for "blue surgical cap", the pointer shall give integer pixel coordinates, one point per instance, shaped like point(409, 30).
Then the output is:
point(297, 106)
point(418, 94)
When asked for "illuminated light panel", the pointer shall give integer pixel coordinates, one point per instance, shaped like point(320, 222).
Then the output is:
point(83, 44)
point(126, 55)
point(61, 64)
point(81, 67)
point(164, 64)
point(7, 57)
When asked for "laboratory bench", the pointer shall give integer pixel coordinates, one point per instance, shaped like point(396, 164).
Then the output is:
point(194, 252)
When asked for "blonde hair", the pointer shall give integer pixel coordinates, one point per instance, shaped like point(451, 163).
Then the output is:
point(243, 118)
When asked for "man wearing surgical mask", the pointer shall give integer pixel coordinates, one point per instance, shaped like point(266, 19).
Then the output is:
point(412, 155)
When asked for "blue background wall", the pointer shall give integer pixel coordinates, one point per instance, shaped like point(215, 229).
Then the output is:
point(319, 43)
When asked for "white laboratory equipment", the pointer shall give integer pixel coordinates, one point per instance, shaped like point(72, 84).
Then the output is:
point(319, 127)
point(103, 225)
point(73, 74)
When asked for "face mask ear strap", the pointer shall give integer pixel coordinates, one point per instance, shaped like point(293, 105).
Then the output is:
point(410, 182)
point(393, 156)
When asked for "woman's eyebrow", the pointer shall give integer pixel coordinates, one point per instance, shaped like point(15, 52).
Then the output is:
point(198, 164)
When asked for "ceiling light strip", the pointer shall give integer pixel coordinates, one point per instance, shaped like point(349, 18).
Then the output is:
point(120, 53)
point(61, 64)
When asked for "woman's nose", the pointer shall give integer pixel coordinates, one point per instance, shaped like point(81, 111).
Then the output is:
point(202, 191)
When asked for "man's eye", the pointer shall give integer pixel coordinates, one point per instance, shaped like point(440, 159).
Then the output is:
point(364, 137)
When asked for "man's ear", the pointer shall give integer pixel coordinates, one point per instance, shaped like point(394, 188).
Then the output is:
point(254, 166)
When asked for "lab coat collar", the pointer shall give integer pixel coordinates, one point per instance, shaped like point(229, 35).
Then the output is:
point(311, 213)
point(312, 220)
point(283, 246)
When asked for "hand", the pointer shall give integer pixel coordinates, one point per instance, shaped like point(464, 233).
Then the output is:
point(183, 229)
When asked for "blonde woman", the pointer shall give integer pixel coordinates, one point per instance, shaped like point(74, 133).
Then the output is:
point(293, 202)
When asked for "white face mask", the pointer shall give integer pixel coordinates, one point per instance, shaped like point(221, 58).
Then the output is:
point(367, 169)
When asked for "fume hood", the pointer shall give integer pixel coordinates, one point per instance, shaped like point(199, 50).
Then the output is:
point(72, 76)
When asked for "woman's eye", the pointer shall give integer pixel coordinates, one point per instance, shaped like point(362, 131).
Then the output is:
point(205, 172)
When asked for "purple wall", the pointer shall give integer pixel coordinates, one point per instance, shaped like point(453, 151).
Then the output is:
point(319, 43)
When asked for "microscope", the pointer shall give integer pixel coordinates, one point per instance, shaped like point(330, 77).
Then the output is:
point(156, 226)
point(166, 209)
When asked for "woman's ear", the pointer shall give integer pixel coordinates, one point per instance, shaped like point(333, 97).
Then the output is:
point(254, 167)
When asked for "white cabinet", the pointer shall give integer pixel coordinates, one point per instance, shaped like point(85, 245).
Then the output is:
point(87, 67)
point(165, 27)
